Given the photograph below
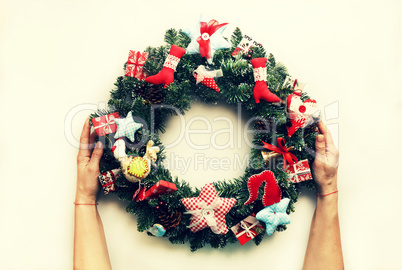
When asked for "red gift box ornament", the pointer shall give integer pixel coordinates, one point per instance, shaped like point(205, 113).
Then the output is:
point(299, 171)
point(161, 187)
point(135, 64)
point(108, 180)
point(294, 83)
point(245, 45)
point(105, 124)
point(247, 229)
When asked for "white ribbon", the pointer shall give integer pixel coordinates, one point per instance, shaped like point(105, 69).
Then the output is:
point(203, 73)
point(206, 212)
point(247, 230)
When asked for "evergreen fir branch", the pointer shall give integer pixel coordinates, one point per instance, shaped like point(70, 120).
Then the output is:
point(236, 37)
point(171, 36)
point(183, 39)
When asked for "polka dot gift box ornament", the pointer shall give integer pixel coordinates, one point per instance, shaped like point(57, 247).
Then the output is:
point(207, 72)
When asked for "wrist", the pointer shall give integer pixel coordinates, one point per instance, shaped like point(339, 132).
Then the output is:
point(85, 199)
point(327, 186)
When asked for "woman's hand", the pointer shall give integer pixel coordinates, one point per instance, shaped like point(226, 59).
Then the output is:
point(88, 159)
point(325, 166)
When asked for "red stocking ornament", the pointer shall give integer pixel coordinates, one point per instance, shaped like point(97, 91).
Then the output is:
point(166, 75)
point(261, 90)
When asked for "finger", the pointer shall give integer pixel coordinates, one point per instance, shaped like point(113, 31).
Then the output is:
point(327, 134)
point(320, 147)
point(84, 141)
point(92, 137)
point(96, 155)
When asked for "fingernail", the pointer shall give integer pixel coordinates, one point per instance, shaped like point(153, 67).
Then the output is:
point(99, 144)
point(320, 138)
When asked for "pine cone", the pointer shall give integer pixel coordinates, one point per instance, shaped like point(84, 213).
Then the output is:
point(168, 218)
point(141, 91)
point(155, 94)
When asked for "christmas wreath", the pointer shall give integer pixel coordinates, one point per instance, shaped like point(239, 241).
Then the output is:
point(201, 65)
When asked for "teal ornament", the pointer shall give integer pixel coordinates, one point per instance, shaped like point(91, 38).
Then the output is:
point(274, 215)
point(156, 230)
point(206, 38)
point(127, 127)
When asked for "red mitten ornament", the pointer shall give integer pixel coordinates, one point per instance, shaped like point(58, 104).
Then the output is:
point(272, 192)
point(166, 75)
point(301, 113)
point(261, 90)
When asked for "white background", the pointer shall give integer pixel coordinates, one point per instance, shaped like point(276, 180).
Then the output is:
point(57, 55)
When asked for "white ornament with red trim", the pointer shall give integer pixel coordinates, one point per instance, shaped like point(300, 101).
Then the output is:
point(301, 113)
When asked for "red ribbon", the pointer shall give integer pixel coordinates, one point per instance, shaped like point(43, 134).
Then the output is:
point(294, 84)
point(206, 31)
point(281, 149)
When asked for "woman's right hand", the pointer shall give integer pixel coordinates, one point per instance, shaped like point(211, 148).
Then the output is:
point(325, 166)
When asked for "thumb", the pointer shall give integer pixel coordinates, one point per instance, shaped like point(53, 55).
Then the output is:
point(320, 145)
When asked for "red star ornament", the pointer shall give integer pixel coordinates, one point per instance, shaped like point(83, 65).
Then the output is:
point(208, 210)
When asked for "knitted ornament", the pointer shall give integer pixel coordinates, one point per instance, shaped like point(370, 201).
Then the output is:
point(261, 90)
point(206, 38)
point(166, 75)
point(274, 215)
point(134, 168)
point(272, 192)
point(206, 77)
point(208, 210)
point(301, 113)
point(127, 127)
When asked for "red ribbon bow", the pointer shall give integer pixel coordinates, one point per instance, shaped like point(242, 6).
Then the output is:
point(207, 30)
point(281, 149)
